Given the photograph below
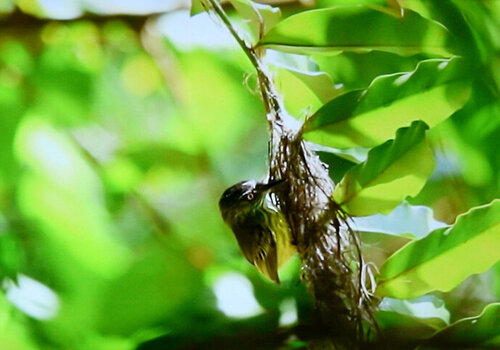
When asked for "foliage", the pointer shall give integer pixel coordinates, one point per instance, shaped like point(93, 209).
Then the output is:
point(117, 140)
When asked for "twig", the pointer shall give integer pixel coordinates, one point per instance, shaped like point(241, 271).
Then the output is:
point(269, 96)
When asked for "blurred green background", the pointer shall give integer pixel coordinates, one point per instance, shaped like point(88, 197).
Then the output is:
point(121, 124)
point(119, 133)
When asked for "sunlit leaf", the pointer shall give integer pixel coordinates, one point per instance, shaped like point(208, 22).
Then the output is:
point(432, 92)
point(330, 3)
point(357, 28)
point(471, 331)
point(383, 235)
point(260, 17)
point(196, 7)
point(393, 170)
point(304, 92)
point(445, 257)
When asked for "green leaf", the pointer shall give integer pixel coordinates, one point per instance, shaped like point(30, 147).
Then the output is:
point(432, 92)
point(425, 307)
point(416, 318)
point(471, 331)
point(337, 165)
point(357, 70)
point(357, 28)
point(261, 18)
point(331, 3)
point(393, 170)
point(405, 327)
point(196, 7)
point(377, 246)
point(444, 258)
point(304, 91)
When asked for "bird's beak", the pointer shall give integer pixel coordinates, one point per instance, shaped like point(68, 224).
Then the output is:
point(268, 186)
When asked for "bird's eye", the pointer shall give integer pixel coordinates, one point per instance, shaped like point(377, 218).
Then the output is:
point(250, 196)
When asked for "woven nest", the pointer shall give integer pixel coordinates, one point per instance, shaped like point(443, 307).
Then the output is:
point(332, 265)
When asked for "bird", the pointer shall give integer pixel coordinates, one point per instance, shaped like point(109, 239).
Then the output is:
point(252, 211)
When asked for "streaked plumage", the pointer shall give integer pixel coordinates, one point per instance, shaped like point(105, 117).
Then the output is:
point(259, 226)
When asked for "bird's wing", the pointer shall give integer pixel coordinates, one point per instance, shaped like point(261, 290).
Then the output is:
point(266, 261)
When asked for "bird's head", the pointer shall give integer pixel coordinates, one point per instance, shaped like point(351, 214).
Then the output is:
point(242, 198)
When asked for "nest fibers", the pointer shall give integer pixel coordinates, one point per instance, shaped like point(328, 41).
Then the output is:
point(332, 265)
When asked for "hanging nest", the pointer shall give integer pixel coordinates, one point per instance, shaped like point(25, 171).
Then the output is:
point(332, 265)
point(333, 268)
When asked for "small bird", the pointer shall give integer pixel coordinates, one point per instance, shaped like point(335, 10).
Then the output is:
point(262, 232)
